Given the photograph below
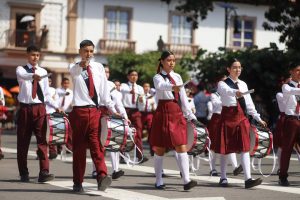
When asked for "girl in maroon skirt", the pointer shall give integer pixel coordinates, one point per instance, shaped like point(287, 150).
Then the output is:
point(169, 127)
point(234, 126)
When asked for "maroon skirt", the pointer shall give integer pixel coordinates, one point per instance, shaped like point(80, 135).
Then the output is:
point(169, 127)
point(278, 133)
point(213, 130)
point(234, 130)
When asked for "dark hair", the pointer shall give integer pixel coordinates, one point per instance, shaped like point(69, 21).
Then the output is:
point(64, 79)
point(293, 64)
point(163, 56)
point(33, 48)
point(105, 65)
point(116, 80)
point(132, 70)
point(231, 61)
point(85, 43)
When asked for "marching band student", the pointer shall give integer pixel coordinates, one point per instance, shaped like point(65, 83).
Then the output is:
point(90, 88)
point(213, 130)
point(34, 92)
point(234, 126)
point(291, 127)
point(169, 127)
point(130, 93)
point(49, 110)
point(65, 103)
point(278, 133)
point(2, 116)
point(116, 96)
point(147, 106)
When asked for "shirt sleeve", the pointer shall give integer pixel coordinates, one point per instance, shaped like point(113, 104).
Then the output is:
point(48, 99)
point(161, 84)
point(75, 69)
point(2, 99)
point(225, 90)
point(22, 74)
point(117, 98)
point(286, 89)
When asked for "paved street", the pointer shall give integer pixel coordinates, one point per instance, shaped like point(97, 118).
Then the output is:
point(138, 182)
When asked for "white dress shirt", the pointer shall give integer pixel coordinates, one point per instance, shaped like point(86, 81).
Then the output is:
point(289, 97)
point(81, 93)
point(127, 96)
point(149, 101)
point(228, 97)
point(164, 91)
point(49, 108)
point(25, 83)
point(2, 97)
point(116, 96)
point(216, 103)
point(67, 107)
point(279, 99)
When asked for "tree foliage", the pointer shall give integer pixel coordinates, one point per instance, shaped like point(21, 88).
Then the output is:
point(145, 64)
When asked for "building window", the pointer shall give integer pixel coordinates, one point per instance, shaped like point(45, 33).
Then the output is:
point(244, 35)
point(181, 30)
point(117, 23)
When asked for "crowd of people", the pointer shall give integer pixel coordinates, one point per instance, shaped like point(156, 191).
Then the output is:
point(163, 112)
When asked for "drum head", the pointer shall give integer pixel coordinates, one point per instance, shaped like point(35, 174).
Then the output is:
point(105, 124)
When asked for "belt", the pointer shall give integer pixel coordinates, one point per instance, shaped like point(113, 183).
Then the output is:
point(86, 106)
point(30, 104)
point(292, 117)
point(132, 109)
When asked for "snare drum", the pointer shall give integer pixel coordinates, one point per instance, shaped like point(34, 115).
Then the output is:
point(58, 129)
point(261, 141)
point(197, 139)
point(116, 135)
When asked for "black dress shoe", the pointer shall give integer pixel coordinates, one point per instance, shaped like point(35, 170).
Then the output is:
point(278, 171)
point(103, 183)
point(223, 182)
point(145, 159)
point(1, 156)
point(78, 188)
point(283, 182)
point(24, 178)
point(52, 156)
point(118, 174)
point(160, 187)
point(45, 176)
point(238, 170)
point(252, 182)
point(122, 161)
point(94, 174)
point(213, 172)
point(190, 185)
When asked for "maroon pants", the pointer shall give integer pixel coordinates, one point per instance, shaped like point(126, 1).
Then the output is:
point(147, 120)
point(32, 118)
point(0, 141)
point(291, 135)
point(85, 123)
point(136, 120)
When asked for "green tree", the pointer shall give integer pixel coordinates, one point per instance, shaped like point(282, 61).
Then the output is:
point(145, 64)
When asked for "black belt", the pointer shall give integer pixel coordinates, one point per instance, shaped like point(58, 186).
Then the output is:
point(132, 109)
point(30, 104)
point(86, 106)
point(292, 117)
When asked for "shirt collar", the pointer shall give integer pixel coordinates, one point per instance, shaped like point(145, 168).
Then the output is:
point(234, 80)
point(30, 66)
point(294, 83)
point(131, 84)
point(165, 73)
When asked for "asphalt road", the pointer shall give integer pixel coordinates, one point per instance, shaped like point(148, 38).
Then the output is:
point(138, 182)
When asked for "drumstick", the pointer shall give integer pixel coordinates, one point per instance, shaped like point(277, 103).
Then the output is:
point(185, 83)
point(47, 75)
point(247, 92)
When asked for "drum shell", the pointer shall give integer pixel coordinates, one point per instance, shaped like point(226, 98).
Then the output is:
point(261, 142)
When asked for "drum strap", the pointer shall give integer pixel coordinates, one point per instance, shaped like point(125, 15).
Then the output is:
point(39, 91)
point(171, 80)
point(240, 100)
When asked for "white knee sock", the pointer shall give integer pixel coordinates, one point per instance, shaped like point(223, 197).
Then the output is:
point(245, 159)
point(223, 160)
point(184, 166)
point(114, 157)
point(232, 158)
point(177, 161)
point(158, 167)
point(213, 158)
point(279, 150)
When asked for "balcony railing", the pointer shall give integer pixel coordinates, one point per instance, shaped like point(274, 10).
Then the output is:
point(181, 49)
point(108, 46)
point(22, 38)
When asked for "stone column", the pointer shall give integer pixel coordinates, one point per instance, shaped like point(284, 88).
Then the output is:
point(71, 31)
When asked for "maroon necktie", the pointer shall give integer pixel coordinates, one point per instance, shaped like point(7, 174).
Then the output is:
point(34, 86)
point(298, 104)
point(146, 106)
point(133, 95)
point(63, 101)
point(176, 94)
point(91, 82)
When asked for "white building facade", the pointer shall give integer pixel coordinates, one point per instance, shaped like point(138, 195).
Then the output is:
point(117, 25)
